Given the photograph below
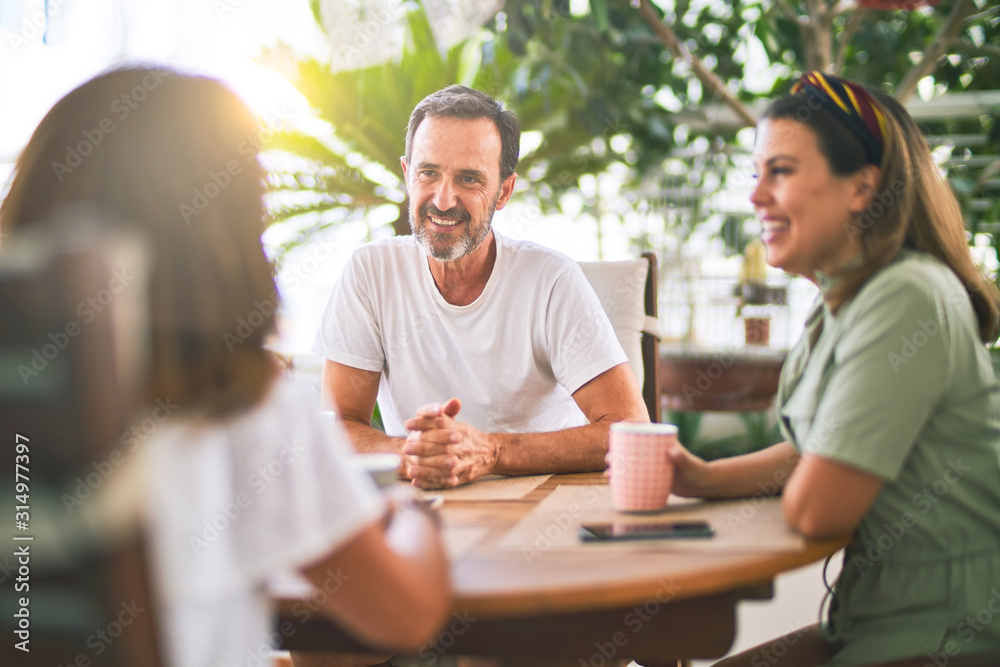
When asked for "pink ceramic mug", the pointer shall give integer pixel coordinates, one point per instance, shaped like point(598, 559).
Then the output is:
point(640, 472)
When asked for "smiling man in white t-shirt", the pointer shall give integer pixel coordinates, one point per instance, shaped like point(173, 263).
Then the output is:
point(486, 354)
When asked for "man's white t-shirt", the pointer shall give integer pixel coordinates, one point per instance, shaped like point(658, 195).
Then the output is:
point(234, 503)
point(514, 356)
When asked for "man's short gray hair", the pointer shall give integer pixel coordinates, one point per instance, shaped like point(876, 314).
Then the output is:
point(464, 102)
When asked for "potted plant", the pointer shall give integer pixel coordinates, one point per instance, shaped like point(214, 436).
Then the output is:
point(756, 296)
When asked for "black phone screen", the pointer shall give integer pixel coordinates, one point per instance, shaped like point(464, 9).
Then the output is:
point(647, 531)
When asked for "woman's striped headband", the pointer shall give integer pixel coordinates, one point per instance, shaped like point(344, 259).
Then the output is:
point(852, 105)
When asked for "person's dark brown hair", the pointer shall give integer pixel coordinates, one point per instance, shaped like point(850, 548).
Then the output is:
point(176, 157)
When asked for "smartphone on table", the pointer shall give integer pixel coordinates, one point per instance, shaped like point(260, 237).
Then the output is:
point(663, 530)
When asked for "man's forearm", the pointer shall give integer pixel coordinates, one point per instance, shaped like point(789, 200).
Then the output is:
point(611, 397)
point(579, 449)
point(366, 438)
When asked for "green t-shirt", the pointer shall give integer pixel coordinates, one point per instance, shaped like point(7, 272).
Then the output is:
point(898, 384)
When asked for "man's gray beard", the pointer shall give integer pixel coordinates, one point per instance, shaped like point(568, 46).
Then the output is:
point(465, 245)
point(451, 252)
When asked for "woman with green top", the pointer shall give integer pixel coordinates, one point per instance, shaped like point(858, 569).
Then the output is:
point(889, 402)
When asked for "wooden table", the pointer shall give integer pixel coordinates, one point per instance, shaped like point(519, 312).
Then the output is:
point(579, 608)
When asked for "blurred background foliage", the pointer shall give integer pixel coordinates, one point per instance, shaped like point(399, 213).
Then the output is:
point(598, 84)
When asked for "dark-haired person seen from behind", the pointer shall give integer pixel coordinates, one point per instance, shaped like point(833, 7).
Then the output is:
point(486, 354)
point(244, 480)
point(889, 402)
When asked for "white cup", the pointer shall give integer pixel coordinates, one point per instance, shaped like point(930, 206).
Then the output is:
point(382, 467)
